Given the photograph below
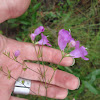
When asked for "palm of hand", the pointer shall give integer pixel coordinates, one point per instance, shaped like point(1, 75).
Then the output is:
point(8, 64)
point(60, 82)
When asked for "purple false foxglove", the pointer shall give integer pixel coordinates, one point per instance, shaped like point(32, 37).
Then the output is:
point(74, 43)
point(64, 37)
point(77, 44)
point(17, 53)
point(37, 32)
point(44, 40)
point(79, 52)
point(33, 36)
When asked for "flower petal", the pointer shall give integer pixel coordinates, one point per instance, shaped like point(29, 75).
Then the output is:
point(72, 43)
point(44, 40)
point(64, 37)
point(76, 53)
point(61, 42)
point(83, 49)
point(85, 58)
point(17, 53)
point(33, 36)
point(79, 52)
point(39, 30)
point(77, 44)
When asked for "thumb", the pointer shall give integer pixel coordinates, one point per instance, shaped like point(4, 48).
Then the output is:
point(12, 8)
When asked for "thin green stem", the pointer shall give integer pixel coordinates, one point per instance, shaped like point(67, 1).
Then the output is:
point(43, 64)
point(22, 64)
point(38, 61)
point(54, 71)
point(16, 80)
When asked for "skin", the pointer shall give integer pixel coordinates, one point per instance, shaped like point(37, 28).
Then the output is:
point(61, 82)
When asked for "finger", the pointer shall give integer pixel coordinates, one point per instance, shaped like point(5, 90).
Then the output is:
point(18, 7)
point(48, 54)
point(7, 81)
point(52, 91)
point(60, 78)
point(12, 9)
point(16, 98)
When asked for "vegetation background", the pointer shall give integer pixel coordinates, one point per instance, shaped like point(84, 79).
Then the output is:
point(82, 17)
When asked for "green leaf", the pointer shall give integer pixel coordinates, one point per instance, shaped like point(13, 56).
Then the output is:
point(68, 69)
point(24, 16)
point(25, 22)
point(8, 54)
point(18, 39)
point(12, 20)
point(34, 11)
point(92, 75)
point(66, 98)
point(9, 73)
point(36, 6)
point(80, 90)
point(1, 32)
point(54, 68)
point(69, 2)
point(34, 17)
point(24, 69)
point(66, 16)
point(23, 81)
point(90, 87)
point(61, 67)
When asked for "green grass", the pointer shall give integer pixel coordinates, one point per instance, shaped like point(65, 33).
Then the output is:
point(83, 21)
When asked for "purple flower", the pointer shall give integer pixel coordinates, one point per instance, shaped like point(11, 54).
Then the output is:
point(77, 44)
point(44, 40)
point(33, 36)
point(64, 37)
point(37, 32)
point(17, 53)
point(74, 43)
point(79, 52)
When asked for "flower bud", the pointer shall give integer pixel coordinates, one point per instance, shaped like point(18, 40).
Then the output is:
point(17, 53)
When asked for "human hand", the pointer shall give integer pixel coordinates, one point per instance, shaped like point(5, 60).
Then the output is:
point(61, 82)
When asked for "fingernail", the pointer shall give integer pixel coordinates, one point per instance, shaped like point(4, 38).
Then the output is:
point(78, 82)
point(73, 62)
point(73, 83)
